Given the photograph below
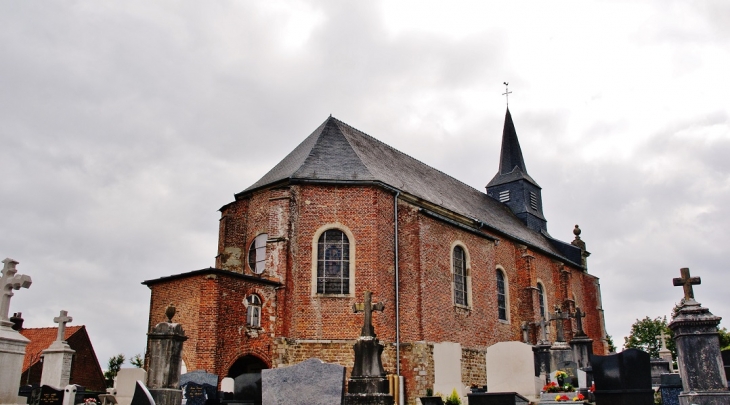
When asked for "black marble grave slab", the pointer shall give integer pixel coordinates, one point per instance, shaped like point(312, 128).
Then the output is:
point(141, 395)
point(623, 378)
point(50, 396)
point(726, 362)
point(200, 394)
point(496, 398)
point(670, 386)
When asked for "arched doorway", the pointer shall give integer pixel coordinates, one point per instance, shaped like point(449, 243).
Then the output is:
point(246, 373)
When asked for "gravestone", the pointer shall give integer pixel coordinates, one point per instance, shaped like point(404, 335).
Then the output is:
point(163, 375)
point(141, 395)
point(560, 351)
point(542, 351)
point(199, 387)
point(368, 383)
point(126, 384)
point(658, 367)
point(311, 382)
point(227, 385)
point(50, 396)
point(623, 378)
point(246, 386)
point(12, 343)
point(510, 368)
point(496, 398)
point(664, 352)
point(698, 349)
point(571, 368)
point(670, 386)
point(58, 356)
point(726, 363)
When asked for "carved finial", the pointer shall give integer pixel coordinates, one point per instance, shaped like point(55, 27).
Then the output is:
point(576, 232)
point(170, 312)
point(578, 241)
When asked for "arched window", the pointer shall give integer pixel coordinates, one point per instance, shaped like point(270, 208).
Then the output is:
point(501, 295)
point(253, 311)
point(541, 299)
point(257, 254)
point(333, 263)
point(460, 277)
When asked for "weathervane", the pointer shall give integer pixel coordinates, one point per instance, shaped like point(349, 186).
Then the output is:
point(506, 92)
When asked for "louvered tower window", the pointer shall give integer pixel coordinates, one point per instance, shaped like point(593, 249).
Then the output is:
point(533, 201)
point(504, 196)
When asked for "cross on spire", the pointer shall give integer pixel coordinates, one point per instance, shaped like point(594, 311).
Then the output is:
point(687, 282)
point(663, 337)
point(8, 282)
point(61, 320)
point(507, 92)
point(368, 307)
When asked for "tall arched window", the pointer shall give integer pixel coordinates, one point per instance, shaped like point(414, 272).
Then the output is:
point(501, 296)
point(541, 299)
point(253, 311)
point(460, 277)
point(257, 254)
point(333, 263)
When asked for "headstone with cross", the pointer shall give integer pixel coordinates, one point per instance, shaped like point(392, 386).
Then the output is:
point(10, 281)
point(578, 316)
point(58, 356)
point(559, 317)
point(543, 324)
point(368, 307)
point(687, 282)
point(664, 353)
point(368, 382)
point(525, 332)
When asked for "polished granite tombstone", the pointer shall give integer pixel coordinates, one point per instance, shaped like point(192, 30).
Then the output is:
point(496, 398)
point(623, 378)
point(50, 396)
point(670, 386)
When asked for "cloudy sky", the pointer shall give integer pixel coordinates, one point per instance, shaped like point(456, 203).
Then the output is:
point(124, 126)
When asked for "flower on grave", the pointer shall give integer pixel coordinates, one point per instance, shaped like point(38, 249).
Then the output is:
point(561, 374)
point(89, 401)
point(551, 387)
point(593, 388)
point(579, 397)
point(564, 398)
point(557, 398)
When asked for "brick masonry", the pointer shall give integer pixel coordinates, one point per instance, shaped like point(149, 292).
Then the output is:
point(297, 324)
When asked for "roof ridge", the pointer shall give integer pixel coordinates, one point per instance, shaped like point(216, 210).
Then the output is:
point(405, 154)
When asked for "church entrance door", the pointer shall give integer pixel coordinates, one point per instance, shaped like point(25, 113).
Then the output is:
point(246, 373)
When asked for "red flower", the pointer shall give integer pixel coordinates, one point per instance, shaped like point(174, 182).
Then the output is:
point(564, 398)
point(593, 388)
point(581, 397)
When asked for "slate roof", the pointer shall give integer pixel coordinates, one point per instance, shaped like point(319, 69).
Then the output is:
point(40, 339)
point(338, 153)
point(511, 163)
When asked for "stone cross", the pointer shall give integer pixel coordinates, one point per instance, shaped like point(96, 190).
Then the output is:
point(687, 282)
point(558, 318)
point(9, 282)
point(368, 307)
point(578, 315)
point(663, 336)
point(61, 321)
point(543, 331)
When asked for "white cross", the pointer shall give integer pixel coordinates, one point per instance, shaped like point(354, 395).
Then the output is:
point(663, 336)
point(9, 282)
point(61, 321)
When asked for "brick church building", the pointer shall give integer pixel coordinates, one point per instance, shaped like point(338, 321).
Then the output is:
point(344, 213)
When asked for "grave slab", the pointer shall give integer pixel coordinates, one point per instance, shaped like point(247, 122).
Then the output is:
point(623, 378)
point(311, 382)
point(496, 398)
point(511, 368)
point(126, 383)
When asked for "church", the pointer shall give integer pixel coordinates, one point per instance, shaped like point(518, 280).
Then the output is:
point(458, 269)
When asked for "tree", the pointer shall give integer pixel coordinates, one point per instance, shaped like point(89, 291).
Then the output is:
point(724, 338)
point(137, 361)
point(644, 334)
point(113, 367)
point(611, 345)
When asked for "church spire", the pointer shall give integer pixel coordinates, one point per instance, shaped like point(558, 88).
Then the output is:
point(511, 156)
point(512, 185)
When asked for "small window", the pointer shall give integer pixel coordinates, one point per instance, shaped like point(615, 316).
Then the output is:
point(257, 254)
point(253, 311)
point(533, 200)
point(504, 196)
point(541, 298)
point(333, 263)
point(460, 277)
point(501, 296)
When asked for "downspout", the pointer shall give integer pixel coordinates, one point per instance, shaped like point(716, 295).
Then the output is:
point(397, 286)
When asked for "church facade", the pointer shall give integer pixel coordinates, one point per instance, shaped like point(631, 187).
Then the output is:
point(344, 213)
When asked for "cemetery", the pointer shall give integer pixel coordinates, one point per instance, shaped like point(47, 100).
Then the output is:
point(549, 372)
